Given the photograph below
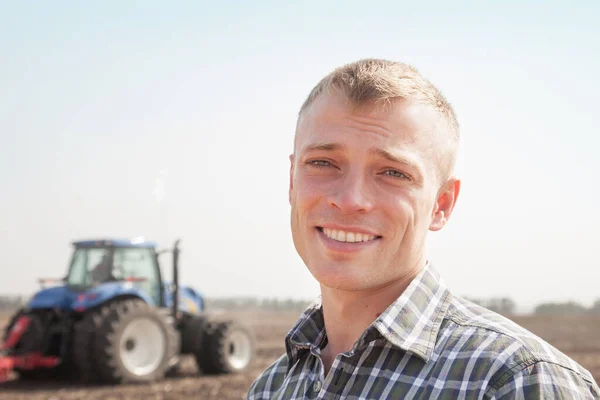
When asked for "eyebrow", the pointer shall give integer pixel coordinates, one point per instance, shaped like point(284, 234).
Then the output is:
point(394, 157)
point(327, 146)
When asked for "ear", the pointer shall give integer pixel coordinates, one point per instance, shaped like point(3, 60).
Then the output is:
point(445, 203)
point(291, 178)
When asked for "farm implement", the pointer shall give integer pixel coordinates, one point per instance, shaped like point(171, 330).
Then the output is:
point(113, 319)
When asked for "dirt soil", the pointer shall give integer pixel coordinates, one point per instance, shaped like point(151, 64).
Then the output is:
point(576, 336)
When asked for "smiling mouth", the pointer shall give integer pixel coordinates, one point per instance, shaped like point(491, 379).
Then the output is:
point(347, 236)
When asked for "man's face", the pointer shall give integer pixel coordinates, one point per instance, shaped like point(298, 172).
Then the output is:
point(364, 191)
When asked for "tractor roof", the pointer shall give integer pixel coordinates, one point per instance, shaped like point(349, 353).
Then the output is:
point(114, 242)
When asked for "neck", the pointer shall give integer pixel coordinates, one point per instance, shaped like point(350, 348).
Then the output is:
point(347, 314)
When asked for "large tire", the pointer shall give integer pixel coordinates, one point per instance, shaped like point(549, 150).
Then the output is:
point(84, 342)
point(134, 342)
point(28, 342)
point(32, 341)
point(192, 335)
point(10, 324)
point(228, 347)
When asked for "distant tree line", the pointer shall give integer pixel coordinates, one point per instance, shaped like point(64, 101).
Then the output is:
point(253, 303)
point(507, 306)
point(570, 307)
point(9, 303)
point(501, 305)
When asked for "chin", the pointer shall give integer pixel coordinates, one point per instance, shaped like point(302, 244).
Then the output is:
point(340, 277)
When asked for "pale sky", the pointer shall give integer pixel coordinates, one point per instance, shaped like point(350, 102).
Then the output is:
point(99, 99)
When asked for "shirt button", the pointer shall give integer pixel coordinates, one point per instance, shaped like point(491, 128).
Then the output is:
point(317, 386)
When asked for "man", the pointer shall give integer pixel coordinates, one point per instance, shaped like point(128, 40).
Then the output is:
point(371, 174)
point(102, 272)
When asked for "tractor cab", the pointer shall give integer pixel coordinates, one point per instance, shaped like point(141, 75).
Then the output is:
point(95, 263)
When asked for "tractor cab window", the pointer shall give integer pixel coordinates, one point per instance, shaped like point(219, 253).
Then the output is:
point(139, 266)
point(93, 266)
point(90, 265)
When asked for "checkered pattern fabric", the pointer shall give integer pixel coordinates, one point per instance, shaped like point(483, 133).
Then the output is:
point(428, 344)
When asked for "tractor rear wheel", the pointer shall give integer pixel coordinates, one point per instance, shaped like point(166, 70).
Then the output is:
point(134, 343)
point(227, 347)
point(84, 341)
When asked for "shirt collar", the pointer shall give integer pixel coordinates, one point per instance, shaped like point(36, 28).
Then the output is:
point(411, 322)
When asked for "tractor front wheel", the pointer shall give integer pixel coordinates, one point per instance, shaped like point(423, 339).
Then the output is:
point(32, 341)
point(227, 347)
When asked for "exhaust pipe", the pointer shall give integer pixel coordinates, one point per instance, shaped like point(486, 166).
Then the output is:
point(176, 280)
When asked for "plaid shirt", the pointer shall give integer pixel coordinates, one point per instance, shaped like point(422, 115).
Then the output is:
point(428, 344)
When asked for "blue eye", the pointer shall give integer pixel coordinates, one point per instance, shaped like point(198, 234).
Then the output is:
point(319, 163)
point(396, 174)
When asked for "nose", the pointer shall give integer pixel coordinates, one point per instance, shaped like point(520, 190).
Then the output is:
point(351, 194)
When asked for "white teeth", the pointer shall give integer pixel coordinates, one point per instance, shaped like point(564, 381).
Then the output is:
point(343, 236)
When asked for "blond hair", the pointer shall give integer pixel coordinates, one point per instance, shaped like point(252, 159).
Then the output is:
point(379, 81)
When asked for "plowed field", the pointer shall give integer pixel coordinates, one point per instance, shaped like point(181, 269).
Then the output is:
point(576, 336)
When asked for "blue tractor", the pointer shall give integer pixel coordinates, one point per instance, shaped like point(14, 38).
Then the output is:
point(113, 319)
